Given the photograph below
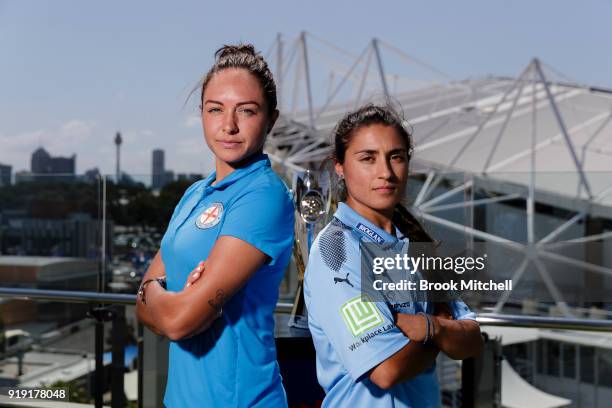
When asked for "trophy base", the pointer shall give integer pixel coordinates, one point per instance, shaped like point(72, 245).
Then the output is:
point(299, 316)
point(298, 322)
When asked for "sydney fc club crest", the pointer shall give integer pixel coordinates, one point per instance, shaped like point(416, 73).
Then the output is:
point(210, 216)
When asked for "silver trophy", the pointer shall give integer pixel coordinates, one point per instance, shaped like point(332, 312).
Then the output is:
point(312, 195)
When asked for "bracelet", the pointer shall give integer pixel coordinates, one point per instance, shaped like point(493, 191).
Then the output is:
point(141, 291)
point(427, 323)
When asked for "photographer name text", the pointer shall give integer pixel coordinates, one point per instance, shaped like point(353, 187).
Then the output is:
point(425, 285)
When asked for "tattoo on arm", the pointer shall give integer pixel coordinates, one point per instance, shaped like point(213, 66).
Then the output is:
point(218, 301)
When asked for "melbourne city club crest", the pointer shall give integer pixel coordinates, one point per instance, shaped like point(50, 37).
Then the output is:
point(210, 216)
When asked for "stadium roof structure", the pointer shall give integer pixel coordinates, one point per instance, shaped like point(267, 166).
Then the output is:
point(540, 138)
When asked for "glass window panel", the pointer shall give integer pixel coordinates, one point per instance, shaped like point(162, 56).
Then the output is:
point(569, 360)
point(586, 364)
point(553, 358)
point(605, 368)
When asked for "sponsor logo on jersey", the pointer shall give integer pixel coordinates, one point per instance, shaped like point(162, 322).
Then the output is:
point(345, 280)
point(364, 339)
point(370, 233)
point(360, 315)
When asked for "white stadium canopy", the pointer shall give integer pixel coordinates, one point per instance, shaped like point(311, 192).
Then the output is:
point(539, 138)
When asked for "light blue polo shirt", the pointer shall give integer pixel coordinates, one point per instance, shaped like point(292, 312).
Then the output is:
point(233, 363)
point(352, 337)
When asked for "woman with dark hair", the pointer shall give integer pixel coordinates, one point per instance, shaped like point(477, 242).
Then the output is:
point(374, 353)
point(239, 220)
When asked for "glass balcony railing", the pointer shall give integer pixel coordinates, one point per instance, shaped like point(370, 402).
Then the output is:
point(86, 345)
point(90, 345)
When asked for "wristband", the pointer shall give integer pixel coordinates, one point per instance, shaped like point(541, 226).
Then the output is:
point(427, 323)
point(141, 291)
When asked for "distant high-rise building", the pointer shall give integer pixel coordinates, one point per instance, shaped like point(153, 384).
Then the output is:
point(158, 171)
point(63, 165)
point(5, 175)
point(40, 161)
point(43, 164)
point(168, 177)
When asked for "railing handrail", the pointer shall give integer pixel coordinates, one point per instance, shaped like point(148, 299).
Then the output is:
point(544, 322)
point(72, 296)
point(485, 319)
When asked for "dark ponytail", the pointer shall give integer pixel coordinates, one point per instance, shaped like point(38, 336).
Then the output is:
point(409, 225)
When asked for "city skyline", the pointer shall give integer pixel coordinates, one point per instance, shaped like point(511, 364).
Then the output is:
point(44, 164)
point(73, 86)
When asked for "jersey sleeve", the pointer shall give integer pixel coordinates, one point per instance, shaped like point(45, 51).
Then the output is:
point(461, 311)
point(263, 218)
point(362, 334)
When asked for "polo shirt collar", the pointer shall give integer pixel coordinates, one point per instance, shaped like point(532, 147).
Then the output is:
point(256, 162)
point(364, 227)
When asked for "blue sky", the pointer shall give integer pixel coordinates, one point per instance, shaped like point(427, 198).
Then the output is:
point(74, 72)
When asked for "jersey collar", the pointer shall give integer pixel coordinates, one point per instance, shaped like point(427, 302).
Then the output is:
point(256, 162)
point(364, 227)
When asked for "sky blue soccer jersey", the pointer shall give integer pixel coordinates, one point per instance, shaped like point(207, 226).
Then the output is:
point(233, 363)
point(350, 336)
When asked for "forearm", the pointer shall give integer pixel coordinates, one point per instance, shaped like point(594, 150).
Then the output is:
point(143, 313)
point(194, 309)
point(162, 308)
point(414, 359)
point(171, 314)
point(410, 361)
point(144, 316)
point(458, 339)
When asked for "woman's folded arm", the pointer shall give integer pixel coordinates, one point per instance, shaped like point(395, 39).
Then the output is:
point(156, 269)
point(407, 363)
point(182, 314)
point(458, 339)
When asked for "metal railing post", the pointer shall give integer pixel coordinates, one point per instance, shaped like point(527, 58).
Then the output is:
point(99, 373)
point(140, 343)
point(101, 315)
point(119, 335)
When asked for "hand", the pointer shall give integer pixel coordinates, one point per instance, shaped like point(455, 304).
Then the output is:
point(414, 326)
point(442, 310)
point(195, 275)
